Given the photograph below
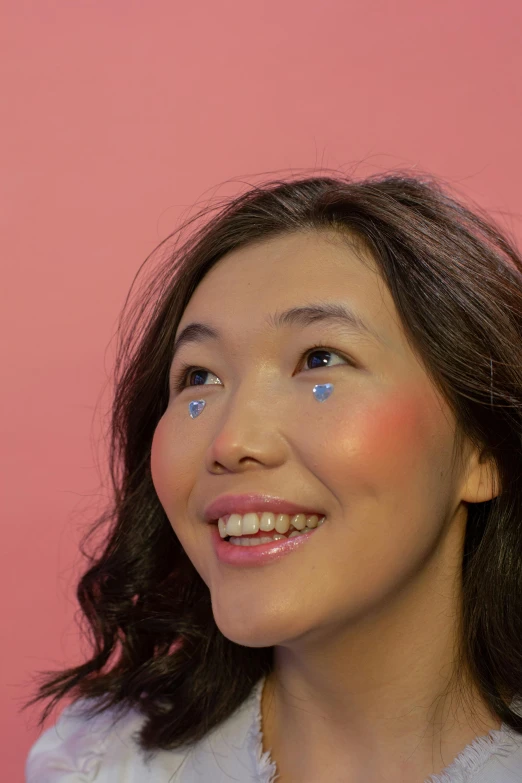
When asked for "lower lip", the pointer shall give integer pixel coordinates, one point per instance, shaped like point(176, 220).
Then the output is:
point(233, 554)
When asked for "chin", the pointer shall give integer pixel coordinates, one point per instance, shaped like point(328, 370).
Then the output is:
point(253, 629)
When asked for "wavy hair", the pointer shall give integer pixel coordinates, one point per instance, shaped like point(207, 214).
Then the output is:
point(456, 280)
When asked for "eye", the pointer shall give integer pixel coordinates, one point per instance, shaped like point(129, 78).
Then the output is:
point(188, 371)
point(326, 352)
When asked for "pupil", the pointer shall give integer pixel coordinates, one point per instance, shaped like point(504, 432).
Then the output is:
point(196, 373)
point(321, 362)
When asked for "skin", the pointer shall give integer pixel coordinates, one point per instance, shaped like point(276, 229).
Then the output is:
point(364, 620)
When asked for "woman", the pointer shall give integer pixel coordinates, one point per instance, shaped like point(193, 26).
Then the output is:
point(313, 567)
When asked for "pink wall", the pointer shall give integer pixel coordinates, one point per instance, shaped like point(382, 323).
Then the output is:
point(122, 114)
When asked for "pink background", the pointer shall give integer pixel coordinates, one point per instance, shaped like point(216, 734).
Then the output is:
point(121, 115)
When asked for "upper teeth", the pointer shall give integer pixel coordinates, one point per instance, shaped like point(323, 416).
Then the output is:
point(247, 524)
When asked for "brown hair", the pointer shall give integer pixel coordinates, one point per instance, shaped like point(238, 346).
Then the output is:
point(456, 283)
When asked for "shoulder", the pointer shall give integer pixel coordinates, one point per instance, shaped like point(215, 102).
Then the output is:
point(83, 749)
point(105, 749)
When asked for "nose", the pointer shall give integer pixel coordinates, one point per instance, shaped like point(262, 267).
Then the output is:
point(249, 431)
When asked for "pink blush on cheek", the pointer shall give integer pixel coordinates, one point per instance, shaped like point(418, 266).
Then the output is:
point(167, 462)
point(396, 433)
point(174, 467)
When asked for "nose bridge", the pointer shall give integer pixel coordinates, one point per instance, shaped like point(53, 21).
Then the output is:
point(249, 425)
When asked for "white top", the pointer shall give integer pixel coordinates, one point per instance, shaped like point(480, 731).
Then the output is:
point(104, 749)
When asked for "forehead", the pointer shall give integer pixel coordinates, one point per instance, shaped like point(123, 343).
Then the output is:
point(254, 281)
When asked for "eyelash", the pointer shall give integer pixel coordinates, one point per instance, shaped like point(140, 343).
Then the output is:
point(180, 377)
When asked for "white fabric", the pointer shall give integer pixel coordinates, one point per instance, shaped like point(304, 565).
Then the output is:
point(104, 750)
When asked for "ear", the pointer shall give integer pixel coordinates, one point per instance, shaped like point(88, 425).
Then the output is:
point(481, 480)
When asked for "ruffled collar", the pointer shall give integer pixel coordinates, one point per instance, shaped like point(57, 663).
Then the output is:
point(265, 768)
point(472, 759)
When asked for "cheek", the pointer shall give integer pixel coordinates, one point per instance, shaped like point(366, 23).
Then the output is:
point(394, 432)
point(388, 440)
point(170, 464)
point(173, 467)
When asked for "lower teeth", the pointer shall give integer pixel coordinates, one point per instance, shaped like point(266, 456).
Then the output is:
point(245, 541)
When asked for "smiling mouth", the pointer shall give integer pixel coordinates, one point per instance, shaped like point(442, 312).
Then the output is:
point(254, 528)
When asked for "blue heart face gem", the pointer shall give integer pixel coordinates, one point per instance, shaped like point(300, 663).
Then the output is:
point(322, 391)
point(195, 407)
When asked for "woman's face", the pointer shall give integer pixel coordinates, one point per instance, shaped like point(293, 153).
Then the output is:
point(375, 457)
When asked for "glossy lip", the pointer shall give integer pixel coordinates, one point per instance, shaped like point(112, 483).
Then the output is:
point(242, 504)
point(263, 554)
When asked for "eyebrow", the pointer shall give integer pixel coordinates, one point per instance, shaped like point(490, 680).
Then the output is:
point(331, 312)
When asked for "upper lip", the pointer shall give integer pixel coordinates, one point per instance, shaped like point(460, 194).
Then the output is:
point(242, 504)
